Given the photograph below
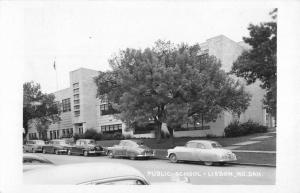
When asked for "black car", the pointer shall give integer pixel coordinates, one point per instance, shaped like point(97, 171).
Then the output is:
point(56, 146)
point(86, 147)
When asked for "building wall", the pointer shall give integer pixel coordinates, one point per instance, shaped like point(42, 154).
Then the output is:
point(87, 96)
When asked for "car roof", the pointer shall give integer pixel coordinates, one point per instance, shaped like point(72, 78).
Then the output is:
point(203, 141)
point(133, 140)
point(79, 173)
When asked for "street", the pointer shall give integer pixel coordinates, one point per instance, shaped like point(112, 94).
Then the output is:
point(162, 170)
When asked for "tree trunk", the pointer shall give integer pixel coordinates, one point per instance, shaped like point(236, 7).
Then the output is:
point(158, 130)
point(171, 132)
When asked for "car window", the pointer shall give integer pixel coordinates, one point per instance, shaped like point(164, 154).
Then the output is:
point(123, 182)
point(216, 145)
point(33, 161)
point(123, 143)
point(91, 142)
point(201, 146)
point(191, 145)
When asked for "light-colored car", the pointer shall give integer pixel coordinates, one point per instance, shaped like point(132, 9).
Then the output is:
point(33, 146)
point(104, 173)
point(130, 148)
point(206, 151)
point(86, 174)
point(56, 146)
point(32, 161)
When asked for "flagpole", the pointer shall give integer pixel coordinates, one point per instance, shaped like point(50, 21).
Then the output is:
point(54, 65)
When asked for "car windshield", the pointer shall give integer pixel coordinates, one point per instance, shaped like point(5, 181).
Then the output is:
point(40, 142)
point(91, 142)
point(216, 145)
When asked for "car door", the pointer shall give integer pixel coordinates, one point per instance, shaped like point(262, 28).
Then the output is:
point(120, 149)
point(27, 146)
point(76, 149)
point(47, 147)
point(187, 152)
point(130, 149)
point(201, 152)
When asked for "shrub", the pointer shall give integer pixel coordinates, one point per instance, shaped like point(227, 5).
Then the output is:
point(92, 134)
point(236, 129)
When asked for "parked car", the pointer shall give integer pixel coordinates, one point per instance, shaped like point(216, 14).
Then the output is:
point(206, 151)
point(33, 146)
point(56, 146)
point(130, 148)
point(103, 173)
point(32, 161)
point(86, 147)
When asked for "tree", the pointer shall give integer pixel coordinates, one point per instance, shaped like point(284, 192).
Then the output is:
point(169, 84)
point(260, 62)
point(38, 108)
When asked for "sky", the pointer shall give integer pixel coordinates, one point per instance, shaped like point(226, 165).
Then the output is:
point(86, 35)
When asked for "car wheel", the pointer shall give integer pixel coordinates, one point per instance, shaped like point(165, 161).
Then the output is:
point(173, 158)
point(44, 151)
point(110, 154)
point(208, 163)
point(132, 157)
point(85, 153)
point(56, 152)
point(69, 152)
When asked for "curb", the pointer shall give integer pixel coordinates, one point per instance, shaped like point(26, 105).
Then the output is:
point(253, 164)
point(232, 163)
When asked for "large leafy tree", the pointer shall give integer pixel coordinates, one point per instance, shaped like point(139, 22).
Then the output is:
point(260, 62)
point(169, 84)
point(38, 108)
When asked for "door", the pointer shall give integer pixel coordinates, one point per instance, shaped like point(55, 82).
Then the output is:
point(120, 150)
point(202, 153)
point(187, 152)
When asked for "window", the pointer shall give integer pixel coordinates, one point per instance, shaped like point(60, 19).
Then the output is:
point(51, 137)
point(76, 102)
point(112, 128)
point(76, 90)
point(80, 130)
point(201, 146)
point(66, 105)
point(191, 145)
point(76, 113)
point(76, 85)
point(76, 96)
point(76, 107)
point(106, 109)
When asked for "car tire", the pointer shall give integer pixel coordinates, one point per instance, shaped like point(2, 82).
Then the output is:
point(132, 157)
point(44, 151)
point(69, 152)
point(207, 163)
point(173, 158)
point(110, 154)
point(85, 153)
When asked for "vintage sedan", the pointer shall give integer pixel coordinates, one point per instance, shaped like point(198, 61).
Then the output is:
point(86, 147)
point(32, 161)
point(56, 146)
point(130, 148)
point(206, 151)
point(33, 146)
point(104, 173)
